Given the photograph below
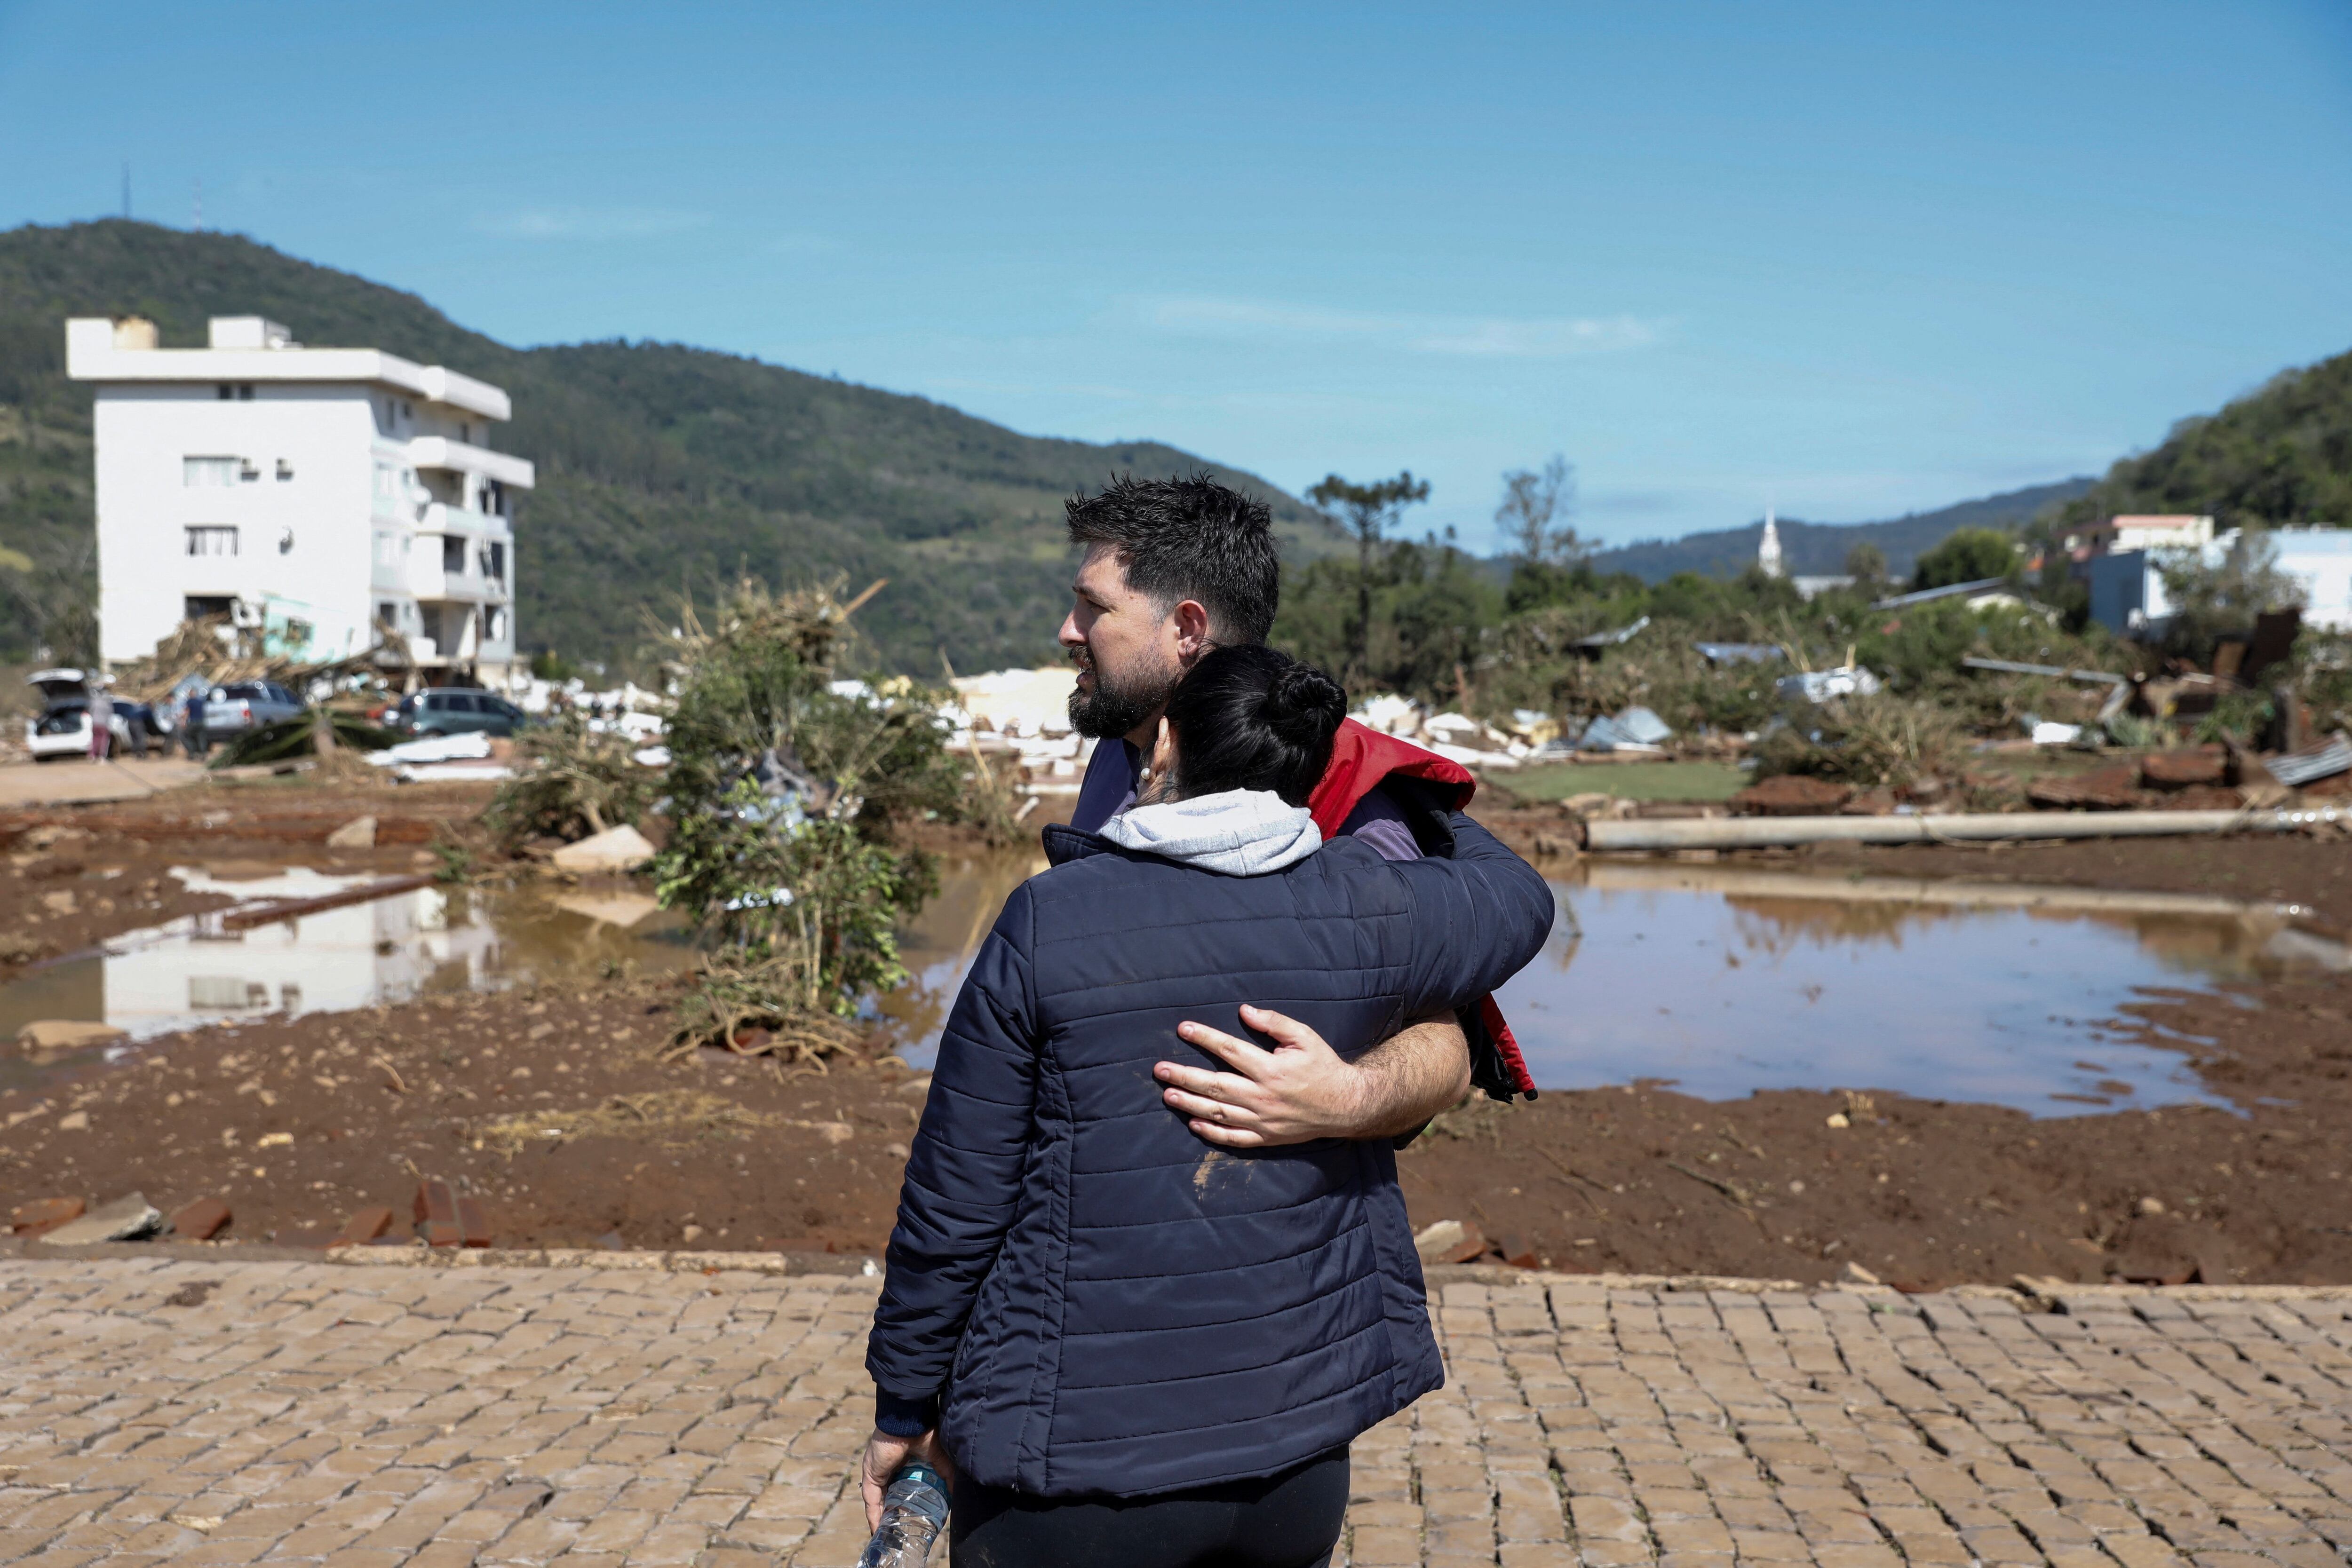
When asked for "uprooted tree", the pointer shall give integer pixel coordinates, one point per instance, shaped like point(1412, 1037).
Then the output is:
point(786, 784)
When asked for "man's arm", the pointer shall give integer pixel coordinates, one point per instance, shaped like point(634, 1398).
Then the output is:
point(1302, 1089)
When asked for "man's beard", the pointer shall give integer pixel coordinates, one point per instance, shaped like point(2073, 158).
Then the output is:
point(1113, 708)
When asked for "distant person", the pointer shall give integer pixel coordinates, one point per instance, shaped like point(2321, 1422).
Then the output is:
point(1130, 1350)
point(101, 719)
point(192, 725)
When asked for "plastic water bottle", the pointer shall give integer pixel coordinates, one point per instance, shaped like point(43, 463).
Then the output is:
point(914, 1512)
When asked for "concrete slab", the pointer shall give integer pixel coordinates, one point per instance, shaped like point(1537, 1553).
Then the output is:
point(24, 784)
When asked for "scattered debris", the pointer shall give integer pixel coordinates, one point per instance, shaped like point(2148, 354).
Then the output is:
point(2110, 788)
point(358, 833)
point(2185, 770)
point(446, 1219)
point(1600, 643)
point(193, 1294)
point(1721, 653)
point(1450, 1241)
point(2327, 759)
point(280, 910)
point(43, 1215)
point(366, 1225)
point(43, 1036)
point(200, 1221)
point(619, 849)
point(1818, 686)
point(127, 1218)
point(1792, 795)
point(1855, 1274)
point(2012, 667)
point(1635, 729)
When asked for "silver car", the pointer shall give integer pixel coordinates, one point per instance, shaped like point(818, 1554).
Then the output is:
point(238, 707)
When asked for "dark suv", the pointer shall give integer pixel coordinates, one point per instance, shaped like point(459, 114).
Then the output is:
point(456, 710)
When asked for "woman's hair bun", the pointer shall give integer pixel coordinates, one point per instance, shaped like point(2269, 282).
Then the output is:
point(1306, 703)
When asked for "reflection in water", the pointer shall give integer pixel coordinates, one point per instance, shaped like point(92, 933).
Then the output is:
point(938, 945)
point(1723, 980)
point(195, 972)
point(1728, 981)
point(1738, 981)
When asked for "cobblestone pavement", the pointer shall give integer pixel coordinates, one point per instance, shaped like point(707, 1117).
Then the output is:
point(368, 1416)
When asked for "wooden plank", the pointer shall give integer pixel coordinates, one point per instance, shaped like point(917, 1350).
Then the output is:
point(295, 908)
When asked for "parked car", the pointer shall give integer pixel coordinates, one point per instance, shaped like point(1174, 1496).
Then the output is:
point(238, 707)
point(456, 710)
point(62, 726)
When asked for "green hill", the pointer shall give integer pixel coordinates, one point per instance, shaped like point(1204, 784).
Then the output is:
point(2281, 456)
point(661, 468)
point(1818, 550)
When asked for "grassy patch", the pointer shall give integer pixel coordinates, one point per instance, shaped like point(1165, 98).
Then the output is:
point(1627, 780)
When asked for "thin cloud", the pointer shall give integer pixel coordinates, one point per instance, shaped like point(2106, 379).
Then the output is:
point(591, 223)
point(1475, 337)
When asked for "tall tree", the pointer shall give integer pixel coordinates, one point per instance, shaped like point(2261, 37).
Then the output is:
point(1535, 511)
point(1866, 562)
point(1367, 511)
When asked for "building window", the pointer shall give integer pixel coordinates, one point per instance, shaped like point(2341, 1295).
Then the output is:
point(207, 607)
point(453, 554)
point(285, 470)
point(498, 561)
point(224, 391)
point(388, 613)
point(494, 626)
point(200, 472)
point(245, 392)
point(207, 538)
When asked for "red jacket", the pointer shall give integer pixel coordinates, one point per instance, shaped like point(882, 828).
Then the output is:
point(1361, 757)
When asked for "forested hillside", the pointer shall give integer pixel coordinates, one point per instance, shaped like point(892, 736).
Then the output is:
point(2281, 457)
point(662, 469)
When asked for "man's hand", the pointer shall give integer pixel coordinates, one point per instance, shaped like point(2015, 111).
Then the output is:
point(1302, 1089)
point(884, 1455)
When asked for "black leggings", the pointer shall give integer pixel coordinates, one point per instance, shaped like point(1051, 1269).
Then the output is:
point(1289, 1521)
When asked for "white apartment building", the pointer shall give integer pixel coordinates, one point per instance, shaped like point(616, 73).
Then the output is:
point(312, 493)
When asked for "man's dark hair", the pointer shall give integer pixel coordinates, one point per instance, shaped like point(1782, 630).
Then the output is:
point(1189, 538)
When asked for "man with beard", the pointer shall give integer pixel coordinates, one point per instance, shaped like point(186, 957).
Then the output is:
point(1172, 569)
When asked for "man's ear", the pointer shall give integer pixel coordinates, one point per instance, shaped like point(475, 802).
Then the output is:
point(1192, 620)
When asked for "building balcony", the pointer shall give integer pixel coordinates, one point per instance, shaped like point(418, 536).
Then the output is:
point(440, 517)
point(440, 452)
point(428, 578)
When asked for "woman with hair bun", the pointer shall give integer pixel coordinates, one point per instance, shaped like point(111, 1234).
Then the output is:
point(1125, 1344)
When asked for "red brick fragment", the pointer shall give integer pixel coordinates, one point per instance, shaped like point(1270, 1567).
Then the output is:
point(2114, 788)
point(473, 1225)
point(201, 1220)
point(436, 1214)
point(2184, 770)
point(1790, 795)
point(43, 1215)
point(364, 1227)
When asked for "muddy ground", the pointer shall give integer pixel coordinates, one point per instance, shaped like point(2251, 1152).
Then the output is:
point(559, 1111)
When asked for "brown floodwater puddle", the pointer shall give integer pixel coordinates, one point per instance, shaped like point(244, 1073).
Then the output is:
point(1719, 980)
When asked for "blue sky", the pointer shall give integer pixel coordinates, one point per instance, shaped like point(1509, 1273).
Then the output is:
point(1851, 259)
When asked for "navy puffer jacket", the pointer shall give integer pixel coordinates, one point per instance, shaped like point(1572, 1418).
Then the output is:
point(1104, 1303)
